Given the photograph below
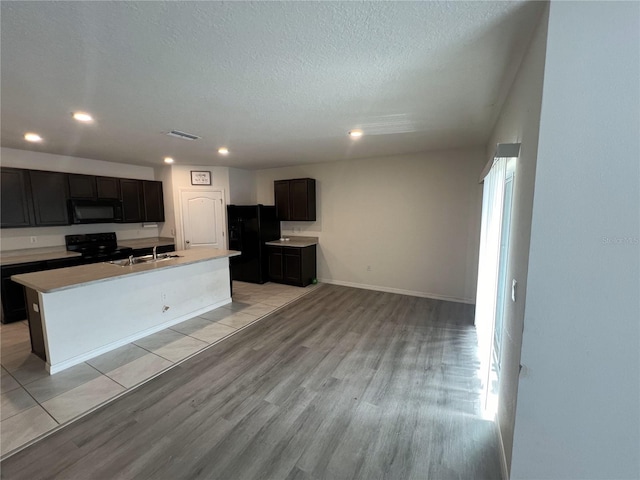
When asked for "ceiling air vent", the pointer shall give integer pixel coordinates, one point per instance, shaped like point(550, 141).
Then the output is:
point(182, 135)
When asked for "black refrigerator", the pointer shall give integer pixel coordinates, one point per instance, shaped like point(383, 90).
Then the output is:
point(249, 226)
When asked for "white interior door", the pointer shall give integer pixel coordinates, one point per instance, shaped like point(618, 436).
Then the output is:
point(203, 219)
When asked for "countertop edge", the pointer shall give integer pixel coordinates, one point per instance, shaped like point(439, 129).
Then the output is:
point(290, 244)
point(18, 259)
point(294, 241)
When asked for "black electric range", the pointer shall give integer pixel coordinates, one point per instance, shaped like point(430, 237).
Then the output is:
point(97, 247)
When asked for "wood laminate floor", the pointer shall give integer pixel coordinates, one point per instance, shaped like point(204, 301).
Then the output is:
point(34, 403)
point(343, 383)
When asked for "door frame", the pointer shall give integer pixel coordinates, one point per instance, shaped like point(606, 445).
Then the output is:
point(505, 161)
point(504, 286)
point(180, 224)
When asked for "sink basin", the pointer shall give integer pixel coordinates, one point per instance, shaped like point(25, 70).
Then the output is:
point(144, 259)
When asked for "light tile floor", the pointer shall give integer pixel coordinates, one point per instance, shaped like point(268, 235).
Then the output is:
point(34, 403)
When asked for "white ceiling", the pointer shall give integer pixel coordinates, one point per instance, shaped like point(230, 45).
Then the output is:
point(279, 83)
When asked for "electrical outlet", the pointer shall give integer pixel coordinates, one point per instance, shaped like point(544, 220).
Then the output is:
point(163, 296)
point(33, 239)
point(368, 268)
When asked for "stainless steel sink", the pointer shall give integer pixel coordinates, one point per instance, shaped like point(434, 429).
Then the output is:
point(125, 262)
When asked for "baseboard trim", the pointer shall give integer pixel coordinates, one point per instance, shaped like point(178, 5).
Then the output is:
point(400, 291)
point(503, 455)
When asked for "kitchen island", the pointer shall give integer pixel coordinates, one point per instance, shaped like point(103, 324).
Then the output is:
point(78, 313)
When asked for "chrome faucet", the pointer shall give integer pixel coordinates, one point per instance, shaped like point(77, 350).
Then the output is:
point(155, 254)
point(130, 259)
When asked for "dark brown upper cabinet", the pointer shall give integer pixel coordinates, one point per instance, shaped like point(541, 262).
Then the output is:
point(281, 194)
point(90, 187)
point(82, 186)
point(153, 201)
point(295, 199)
point(49, 191)
point(17, 209)
point(108, 188)
point(132, 208)
point(142, 201)
point(39, 198)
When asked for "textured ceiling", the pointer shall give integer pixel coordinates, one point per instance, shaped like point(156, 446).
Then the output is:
point(279, 83)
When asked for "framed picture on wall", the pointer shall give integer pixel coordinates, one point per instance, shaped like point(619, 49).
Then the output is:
point(200, 177)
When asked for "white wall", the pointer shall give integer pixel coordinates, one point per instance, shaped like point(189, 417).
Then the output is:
point(413, 219)
point(17, 238)
point(242, 187)
point(579, 393)
point(519, 122)
point(61, 163)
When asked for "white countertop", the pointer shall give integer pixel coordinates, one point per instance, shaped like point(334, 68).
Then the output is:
point(26, 255)
point(299, 242)
point(64, 278)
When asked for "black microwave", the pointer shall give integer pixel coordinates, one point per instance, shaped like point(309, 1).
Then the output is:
point(95, 211)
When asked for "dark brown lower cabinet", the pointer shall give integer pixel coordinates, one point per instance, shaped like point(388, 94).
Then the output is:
point(276, 269)
point(13, 303)
point(292, 265)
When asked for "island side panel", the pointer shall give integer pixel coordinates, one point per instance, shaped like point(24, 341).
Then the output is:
point(86, 321)
point(35, 323)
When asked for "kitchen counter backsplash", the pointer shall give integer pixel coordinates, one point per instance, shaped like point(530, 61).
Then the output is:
point(25, 255)
point(39, 237)
point(147, 242)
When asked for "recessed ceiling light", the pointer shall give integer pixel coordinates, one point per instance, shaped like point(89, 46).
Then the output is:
point(168, 160)
point(83, 117)
point(355, 133)
point(223, 151)
point(32, 137)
